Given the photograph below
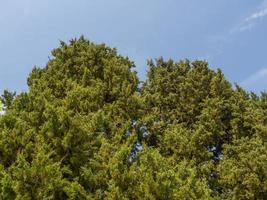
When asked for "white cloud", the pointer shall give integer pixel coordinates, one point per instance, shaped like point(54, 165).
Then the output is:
point(256, 15)
point(251, 20)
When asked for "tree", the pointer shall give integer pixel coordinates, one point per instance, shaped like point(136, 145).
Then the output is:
point(243, 171)
point(1, 108)
point(86, 129)
point(86, 94)
point(7, 98)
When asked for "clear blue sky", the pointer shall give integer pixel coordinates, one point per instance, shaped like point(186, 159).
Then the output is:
point(229, 34)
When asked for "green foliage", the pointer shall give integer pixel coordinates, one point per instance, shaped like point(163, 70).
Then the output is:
point(243, 171)
point(86, 129)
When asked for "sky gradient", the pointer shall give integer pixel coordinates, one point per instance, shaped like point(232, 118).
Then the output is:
point(230, 35)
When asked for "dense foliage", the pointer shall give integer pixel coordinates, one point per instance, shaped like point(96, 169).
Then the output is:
point(88, 129)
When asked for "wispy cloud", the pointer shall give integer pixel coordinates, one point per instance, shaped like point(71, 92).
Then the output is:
point(244, 25)
point(252, 19)
point(259, 78)
point(256, 15)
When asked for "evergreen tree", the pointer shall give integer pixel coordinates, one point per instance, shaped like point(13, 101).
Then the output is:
point(86, 129)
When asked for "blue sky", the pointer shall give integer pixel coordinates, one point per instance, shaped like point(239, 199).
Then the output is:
point(230, 34)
